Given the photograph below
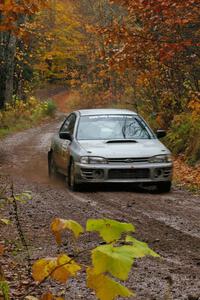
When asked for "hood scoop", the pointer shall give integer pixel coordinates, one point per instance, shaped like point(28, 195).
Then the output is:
point(121, 141)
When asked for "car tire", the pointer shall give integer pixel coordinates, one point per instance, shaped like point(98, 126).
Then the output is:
point(52, 170)
point(163, 186)
point(71, 179)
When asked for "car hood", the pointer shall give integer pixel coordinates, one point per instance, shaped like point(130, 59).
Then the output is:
point(141, 148)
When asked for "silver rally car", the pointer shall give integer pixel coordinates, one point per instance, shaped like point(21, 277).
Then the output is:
point(109, 145)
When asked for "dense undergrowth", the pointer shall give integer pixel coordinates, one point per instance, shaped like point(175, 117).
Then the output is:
point(19, 115)
point(184, 133)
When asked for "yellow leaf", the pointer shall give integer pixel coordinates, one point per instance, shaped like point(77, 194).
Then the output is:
point(59, 268)
point(42, 268)
point(59, 225)
point(68, 268)
point(47, 296)
point(50, 296)
point(106, 288)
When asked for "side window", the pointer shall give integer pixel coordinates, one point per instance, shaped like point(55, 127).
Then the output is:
point(69, 124)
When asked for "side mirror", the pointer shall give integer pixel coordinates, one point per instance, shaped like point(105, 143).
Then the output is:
point(65, 136)
point(160, 133)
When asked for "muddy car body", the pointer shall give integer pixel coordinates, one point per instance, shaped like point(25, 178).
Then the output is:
point(109, 145)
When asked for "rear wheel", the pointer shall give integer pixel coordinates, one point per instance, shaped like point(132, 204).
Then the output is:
point(163, 186)
point(71, 180)
point(52, 170)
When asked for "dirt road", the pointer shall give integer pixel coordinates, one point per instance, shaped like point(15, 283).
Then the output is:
point(170, 223)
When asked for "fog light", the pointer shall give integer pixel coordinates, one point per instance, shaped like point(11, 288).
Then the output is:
point(157, 173)
point(98, 174)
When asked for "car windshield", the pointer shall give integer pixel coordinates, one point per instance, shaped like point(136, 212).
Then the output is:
point(112, 127)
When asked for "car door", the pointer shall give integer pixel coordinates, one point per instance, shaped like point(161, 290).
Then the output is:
point(63, 145)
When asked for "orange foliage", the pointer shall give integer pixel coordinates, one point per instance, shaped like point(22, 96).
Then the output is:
point(194, 104)
point(11, 11)
point(161, 26)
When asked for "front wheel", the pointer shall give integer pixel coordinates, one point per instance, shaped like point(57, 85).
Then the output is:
point(71, 180)
point(163, 186)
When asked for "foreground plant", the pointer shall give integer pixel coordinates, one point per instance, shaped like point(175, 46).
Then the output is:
point(111, 259)
point(8, 197)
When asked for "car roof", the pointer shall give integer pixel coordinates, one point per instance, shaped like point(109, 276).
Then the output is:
point(105, 111)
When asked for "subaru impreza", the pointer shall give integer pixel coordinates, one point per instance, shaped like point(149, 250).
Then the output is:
point(109, 145)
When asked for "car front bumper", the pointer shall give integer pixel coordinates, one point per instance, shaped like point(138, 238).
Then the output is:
point(147, 172)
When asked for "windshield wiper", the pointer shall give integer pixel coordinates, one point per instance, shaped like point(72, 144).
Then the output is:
point(121, 141)
point(124, 129)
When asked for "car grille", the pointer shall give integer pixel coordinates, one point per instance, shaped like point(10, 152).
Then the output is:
point(128, 173)
point(128, 160)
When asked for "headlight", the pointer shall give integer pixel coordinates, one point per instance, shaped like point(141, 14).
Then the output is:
point(93, 160)
point(166, 158)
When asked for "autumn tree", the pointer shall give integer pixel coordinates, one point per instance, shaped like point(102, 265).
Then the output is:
point(97, 79)
point(157, 43)
point(13, 15)
point(56, 42)
point(39, 41)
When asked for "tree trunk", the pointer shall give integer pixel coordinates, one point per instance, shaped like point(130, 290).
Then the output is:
point(2, 68)
point(10, 67)
point(7, 60)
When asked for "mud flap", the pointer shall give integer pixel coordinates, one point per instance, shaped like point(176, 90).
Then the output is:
point(49, 161)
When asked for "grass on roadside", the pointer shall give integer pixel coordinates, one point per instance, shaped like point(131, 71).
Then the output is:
point(20, 115)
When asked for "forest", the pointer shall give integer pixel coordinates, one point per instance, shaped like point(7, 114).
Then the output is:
point(57, 56)
point(143, 55)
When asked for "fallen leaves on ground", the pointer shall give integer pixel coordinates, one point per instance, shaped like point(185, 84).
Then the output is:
point(185, 174)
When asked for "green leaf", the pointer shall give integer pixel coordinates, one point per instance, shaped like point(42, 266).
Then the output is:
point(109, 230)
point(140, 249)
point(115, 260)
point(4, 287)
point(27, 195)
point(5, 221)
point(106, 288)
point(59, 225)
point(23, 197)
